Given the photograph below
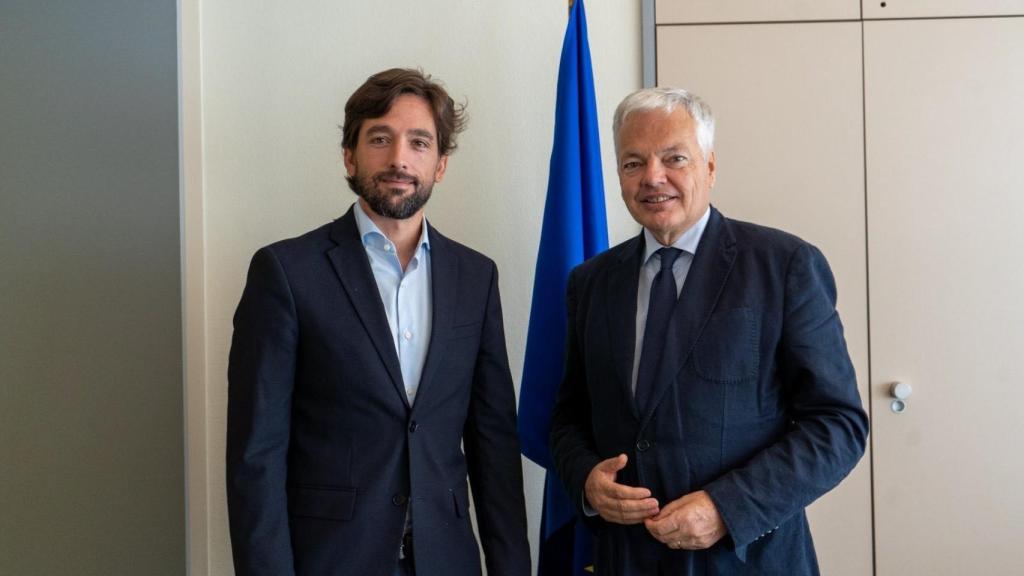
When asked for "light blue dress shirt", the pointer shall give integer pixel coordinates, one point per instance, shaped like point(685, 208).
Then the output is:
point(406, 296)
point(652, 263)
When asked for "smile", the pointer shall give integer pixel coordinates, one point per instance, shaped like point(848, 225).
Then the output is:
point(657, 199)
point(396, 179)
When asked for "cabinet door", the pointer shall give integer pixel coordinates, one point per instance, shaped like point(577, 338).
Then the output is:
point(945, 185)
point(789, 145)
point(694, 11)
point(874, 9)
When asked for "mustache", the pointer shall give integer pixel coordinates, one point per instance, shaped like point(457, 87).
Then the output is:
point(396, 175)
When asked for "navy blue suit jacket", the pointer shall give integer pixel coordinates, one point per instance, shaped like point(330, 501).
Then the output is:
point(756, 402)
point(324, 452)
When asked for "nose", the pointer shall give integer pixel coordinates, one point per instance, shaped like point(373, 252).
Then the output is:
point(654, 174)
point(396, 159)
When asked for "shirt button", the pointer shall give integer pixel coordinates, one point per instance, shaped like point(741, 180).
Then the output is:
point(398, 499)
point(643, 446)
point(408, 335)
point(387, 247)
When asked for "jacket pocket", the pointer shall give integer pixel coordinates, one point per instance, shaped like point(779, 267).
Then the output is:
point(322, 502)
point(460, 497)
point(728, 349)
point(465, 330)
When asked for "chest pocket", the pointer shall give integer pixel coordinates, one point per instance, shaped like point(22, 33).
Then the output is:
point(465, 330)
point(728, 349)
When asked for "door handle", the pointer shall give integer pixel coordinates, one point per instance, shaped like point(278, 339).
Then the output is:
point(900, 391)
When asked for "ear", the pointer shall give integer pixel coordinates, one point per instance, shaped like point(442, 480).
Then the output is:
point(711, 169)
point(442, 165)
point(350, 161)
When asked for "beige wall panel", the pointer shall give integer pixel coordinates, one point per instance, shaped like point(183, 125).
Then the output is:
point(944, 117)
point(696, 11)
point(874, 9)
point(787, 98)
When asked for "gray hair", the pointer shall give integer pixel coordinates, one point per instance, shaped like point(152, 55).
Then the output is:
point(667, 100)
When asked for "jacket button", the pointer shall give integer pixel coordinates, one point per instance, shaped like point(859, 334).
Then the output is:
point(413, 426)
point(398, 499)
point(643, 446)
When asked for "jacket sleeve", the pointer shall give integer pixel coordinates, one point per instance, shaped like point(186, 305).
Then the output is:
point(261, 370)
point(828, 427)
point(492, 450)
point(572, 441)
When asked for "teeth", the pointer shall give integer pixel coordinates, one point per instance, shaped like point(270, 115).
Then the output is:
point(657, 199)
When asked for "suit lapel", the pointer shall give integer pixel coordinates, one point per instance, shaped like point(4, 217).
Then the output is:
point(715, 256)
point(353, 268)
point(444, 280)
point(623, 279)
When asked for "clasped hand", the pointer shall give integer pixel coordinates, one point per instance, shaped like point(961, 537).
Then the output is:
point(691, 522)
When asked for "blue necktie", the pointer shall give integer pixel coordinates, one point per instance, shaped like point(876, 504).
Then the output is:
point(659, 313)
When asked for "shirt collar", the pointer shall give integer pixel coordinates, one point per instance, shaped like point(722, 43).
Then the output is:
point(687, 242)
point(371, 234)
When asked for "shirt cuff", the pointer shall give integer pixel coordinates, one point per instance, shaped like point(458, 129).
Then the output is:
point(587, 510)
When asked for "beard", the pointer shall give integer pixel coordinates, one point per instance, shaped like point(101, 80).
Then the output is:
point(389, 202)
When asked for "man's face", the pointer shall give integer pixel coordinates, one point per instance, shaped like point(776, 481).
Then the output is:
point(395, 162)
point(665, 179)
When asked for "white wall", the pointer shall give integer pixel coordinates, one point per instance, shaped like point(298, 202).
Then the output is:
point(274, 80)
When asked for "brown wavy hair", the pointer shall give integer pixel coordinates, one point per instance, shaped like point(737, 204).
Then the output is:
point(374, 99)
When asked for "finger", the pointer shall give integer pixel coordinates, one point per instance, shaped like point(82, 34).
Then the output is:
point(665, 529)
point(632, 518)
point(607, 486)
point(666, 511)
point(648, 505)
point(624, 492)
point(628, 517)
point(638, 509)
point(628, 511)
point(664, 539)
point(615, 464)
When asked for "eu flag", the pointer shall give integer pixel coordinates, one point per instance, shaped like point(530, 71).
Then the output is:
point(574, 229)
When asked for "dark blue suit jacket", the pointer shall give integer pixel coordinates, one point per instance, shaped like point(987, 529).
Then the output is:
point(757, 402)
point(324, 452)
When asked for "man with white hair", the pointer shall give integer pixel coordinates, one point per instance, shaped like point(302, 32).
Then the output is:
point(708, 395)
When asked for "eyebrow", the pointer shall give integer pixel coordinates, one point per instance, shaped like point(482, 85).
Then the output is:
point(422, 133)
point(662, 152)
point(385, 129)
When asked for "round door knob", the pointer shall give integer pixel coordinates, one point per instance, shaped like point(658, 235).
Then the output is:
point(900, 390)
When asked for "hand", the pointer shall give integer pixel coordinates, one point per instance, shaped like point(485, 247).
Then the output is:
point(617, 502)
point(689, 523)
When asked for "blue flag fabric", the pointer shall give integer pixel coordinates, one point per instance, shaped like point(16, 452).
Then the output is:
point(574, 229)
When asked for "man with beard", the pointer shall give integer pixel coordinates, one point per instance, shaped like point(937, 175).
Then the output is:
point(368, 376)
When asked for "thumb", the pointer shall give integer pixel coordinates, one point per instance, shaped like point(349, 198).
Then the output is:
point(618, 463)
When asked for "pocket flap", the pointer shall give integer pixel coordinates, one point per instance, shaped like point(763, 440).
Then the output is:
point(465, 330)
point(461, 497)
